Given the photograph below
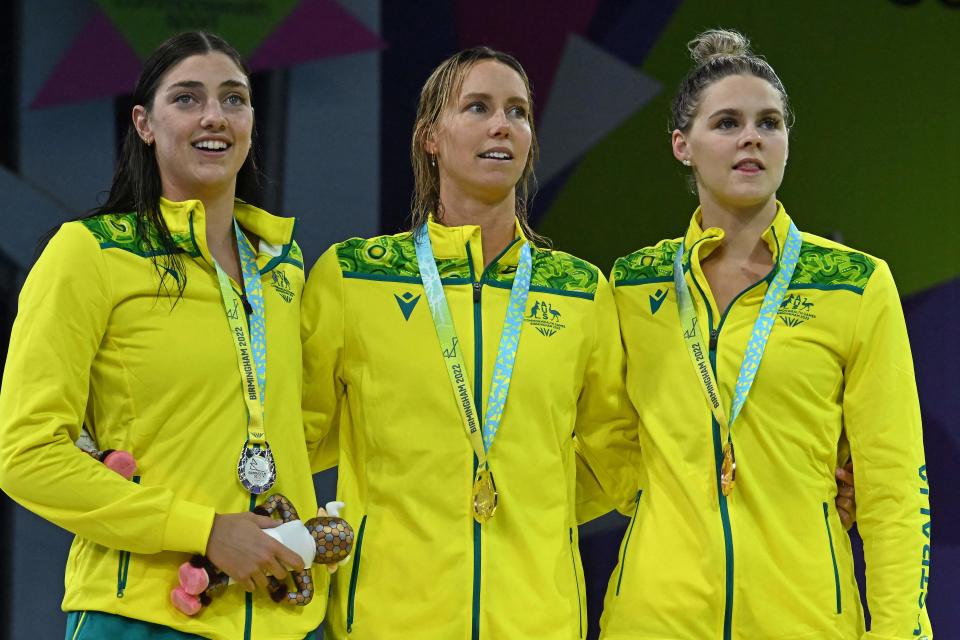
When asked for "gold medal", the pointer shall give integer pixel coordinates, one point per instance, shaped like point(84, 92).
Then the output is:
point(728, 472)
point(484, 495)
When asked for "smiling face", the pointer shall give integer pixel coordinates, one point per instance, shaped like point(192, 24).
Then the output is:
point(737, 143)
point(482, 141)
point(201, 123)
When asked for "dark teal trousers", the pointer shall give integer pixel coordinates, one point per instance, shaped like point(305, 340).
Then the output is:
point(95, 625)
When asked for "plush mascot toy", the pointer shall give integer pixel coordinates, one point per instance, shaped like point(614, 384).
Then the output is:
point(326, 539)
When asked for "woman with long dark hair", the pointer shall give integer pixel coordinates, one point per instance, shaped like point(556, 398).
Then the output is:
point(166, 324)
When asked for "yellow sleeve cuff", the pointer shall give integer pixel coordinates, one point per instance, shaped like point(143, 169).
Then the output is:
point(188, 527)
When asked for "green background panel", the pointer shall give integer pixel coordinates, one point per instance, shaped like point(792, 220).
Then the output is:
point(873, 154)
point(244, 23)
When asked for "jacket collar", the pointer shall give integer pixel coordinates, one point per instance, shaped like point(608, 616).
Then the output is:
point(706, 240)
point(186, 221)
point(465, 242)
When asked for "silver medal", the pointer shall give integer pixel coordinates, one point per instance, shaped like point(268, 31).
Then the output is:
point(256, 469)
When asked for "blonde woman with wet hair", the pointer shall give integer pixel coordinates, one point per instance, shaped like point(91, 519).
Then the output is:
point(449, 368)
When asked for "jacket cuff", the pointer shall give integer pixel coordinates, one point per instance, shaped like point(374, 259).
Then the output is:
point(188, 527)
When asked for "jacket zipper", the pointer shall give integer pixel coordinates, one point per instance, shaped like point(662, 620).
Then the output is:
point(123, 566)
point(623, 557)
point(248, 597)
point(354, 574)
point(576, 581)
point(717, 444)
point(718, 464)
point(833, 557)
point(478, 402)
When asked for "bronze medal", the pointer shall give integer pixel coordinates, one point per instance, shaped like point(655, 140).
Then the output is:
point(728, 472)
point(484, 496)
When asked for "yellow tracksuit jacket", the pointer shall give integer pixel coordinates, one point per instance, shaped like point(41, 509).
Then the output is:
point(95, 344)
point(375, 382)
point(772, 560)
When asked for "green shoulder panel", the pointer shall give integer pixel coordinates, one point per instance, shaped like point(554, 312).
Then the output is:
point(553, 272)
point(561, 271)
point(119, 230)
point(832, 268)
point(650, 264)
point(391, 257)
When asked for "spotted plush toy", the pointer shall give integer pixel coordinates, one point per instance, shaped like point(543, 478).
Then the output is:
point(326, 539)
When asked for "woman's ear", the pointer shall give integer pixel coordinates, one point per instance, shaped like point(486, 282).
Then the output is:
point(681, 151)
point(141, 121)
point(430, 143)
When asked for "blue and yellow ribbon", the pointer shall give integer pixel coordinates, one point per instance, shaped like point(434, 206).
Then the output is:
point(453, 356)
point(250, 341)
point(696, 346)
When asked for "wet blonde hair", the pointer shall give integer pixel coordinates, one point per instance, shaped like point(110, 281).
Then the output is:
point(440, 89)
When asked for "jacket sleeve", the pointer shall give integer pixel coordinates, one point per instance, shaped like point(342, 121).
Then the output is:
point(63, 314)
point(322, 333)
point(606, 440)
point(882, 420)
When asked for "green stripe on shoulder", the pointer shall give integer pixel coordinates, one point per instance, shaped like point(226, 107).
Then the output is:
point(822, 267)
point(553, 272)
point(561, 271)
point(650, 264)
point(119, 231)
point(390, 258)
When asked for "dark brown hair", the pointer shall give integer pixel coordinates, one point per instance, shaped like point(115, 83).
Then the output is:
point(136, 185)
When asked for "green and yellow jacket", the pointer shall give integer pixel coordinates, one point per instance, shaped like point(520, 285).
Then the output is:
point(97, 342)
point(376, 387)
point(772, 560)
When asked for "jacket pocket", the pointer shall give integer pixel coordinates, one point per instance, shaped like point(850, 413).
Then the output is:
point(833, 557)
point(626, 542)
point(576, 582)
point(123, 563)
point(354, 574)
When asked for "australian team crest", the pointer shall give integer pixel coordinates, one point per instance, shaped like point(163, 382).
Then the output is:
point(282, 285)
point(795, 310)
point(545, 318)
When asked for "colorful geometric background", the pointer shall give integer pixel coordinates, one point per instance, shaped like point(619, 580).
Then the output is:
point(873, 156)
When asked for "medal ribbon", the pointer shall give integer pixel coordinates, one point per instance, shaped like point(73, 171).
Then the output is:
point(694, 339)
point(453, 357)
point(251, 346)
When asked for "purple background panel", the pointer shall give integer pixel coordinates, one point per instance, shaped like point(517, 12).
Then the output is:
point(315, 29)
point(536, 35)
point(99, 64)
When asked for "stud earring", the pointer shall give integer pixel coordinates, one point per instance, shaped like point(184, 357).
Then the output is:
point(686, 162)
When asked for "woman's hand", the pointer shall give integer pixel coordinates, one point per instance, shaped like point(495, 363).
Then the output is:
point(238, 547)
point(846, 500)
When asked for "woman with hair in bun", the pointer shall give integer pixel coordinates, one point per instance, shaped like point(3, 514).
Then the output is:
point(774, 349)
point(131, 324)
point(449, 368)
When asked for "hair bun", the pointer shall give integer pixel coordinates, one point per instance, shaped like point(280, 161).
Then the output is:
point(716, 43)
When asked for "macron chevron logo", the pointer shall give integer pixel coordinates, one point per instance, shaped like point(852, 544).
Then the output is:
point(407, 302)
point(656, 300)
